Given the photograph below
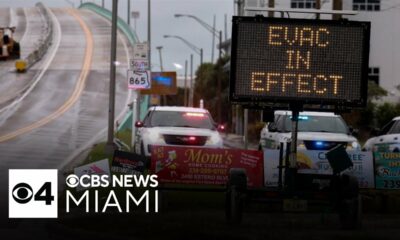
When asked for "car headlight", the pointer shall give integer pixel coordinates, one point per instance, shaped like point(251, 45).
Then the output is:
point(353, 146)
point(155, 138)
point(300, 144)
point(213, 139)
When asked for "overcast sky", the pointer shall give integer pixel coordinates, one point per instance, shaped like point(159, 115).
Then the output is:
point(163, 22)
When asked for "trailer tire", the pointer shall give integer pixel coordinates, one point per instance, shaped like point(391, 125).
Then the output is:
point(349, 203)
point(235, 195)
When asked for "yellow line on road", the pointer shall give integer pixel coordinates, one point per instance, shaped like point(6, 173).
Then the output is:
point(75, 94)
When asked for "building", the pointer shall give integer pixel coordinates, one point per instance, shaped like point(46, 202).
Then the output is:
point(384, 16)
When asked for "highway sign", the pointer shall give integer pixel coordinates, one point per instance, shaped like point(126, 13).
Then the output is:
point(162, 83)
point(139, 79)
point(299, 60)
point(140, 51)
point(139, 65)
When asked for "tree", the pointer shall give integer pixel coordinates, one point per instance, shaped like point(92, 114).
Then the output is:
point(206, 87)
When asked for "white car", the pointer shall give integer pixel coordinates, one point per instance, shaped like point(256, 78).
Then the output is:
point(387, 139)
point(176, 126)
point(316, 131)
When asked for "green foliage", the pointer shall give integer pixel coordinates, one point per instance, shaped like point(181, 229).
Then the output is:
point(375, 91)
point(206, 85)
point(386, 112)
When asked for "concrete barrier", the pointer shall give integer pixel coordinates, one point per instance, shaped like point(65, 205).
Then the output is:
point(45, 41)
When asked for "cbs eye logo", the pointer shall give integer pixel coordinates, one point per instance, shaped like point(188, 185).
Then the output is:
point(33, 193)
point(22, 193)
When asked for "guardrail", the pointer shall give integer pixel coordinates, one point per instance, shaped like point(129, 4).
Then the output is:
point(122, 25)
point(45, 41)
point(132, 37)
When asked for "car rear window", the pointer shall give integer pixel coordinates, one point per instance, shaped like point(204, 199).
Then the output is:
point(181, 119)
point(318, 124)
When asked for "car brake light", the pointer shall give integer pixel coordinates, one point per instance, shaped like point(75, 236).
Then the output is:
point(192, 138)
point(192, 114)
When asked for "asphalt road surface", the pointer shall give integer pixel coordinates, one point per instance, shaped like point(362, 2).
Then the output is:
point(68, 107)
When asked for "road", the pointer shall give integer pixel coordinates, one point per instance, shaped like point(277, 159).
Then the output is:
point(68, 107)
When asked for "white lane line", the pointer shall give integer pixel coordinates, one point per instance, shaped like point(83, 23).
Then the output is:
point(102, 133)
point(53, 50)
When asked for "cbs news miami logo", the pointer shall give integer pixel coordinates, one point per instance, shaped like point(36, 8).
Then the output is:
point(32, 193)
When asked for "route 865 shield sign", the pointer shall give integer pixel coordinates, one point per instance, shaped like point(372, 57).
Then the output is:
point(139, 79)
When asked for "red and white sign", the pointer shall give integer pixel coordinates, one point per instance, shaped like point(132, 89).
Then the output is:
point(208, 166)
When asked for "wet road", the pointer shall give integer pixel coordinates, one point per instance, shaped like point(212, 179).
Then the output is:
point(30, 31)
point(68, 107)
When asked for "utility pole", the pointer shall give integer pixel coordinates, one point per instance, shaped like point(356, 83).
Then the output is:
point(226, 26)
point(271, 4)
point(159, 48)
point(128, 16)
point(113, 58)
point(185, 99)
point(337, 5)
point(149, 30)
point(213, 43)
point(317, 6)
point(191, 82)
point(102, 3)
point(201, 56)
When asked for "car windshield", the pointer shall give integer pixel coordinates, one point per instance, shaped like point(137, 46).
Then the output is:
point(317, 124)
point(181, 119)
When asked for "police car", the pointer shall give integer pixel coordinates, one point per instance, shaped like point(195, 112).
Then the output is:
point(316, 131)
point(177, 126)
point(387, 139)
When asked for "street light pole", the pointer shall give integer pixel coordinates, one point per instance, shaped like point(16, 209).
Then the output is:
point(128, 16)
point(185, 98)
point(219, 100)
point(159, 48)
point(190, 45)
point(111, 107)
point(216, 34)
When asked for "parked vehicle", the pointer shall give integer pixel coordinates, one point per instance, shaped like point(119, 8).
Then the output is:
point(176, 126)
point(316, 131)
point(387, 139)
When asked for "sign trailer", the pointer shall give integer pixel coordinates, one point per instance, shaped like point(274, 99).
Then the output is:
point(279, 62)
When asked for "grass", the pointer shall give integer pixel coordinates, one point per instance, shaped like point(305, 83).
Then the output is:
point(98, 151)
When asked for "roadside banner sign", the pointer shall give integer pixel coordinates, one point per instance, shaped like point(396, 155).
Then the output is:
point(139, 79)
point(140, 51)
point(315, 162)
point(387, 167)
point(162, 83)
point(101, 167)
point(127, 163)
point(208, 166)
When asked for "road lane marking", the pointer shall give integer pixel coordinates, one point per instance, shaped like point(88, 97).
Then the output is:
point(102, 133)
point(79, 87)
point(53, 50)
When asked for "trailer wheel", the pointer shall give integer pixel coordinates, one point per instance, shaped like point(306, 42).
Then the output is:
point(349, 203)
point(235, 195)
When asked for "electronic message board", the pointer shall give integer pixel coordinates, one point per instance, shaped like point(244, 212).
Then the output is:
point(299, 60)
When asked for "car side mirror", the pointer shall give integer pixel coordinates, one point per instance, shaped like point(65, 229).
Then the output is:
point(272, 127)
point(139, 124)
